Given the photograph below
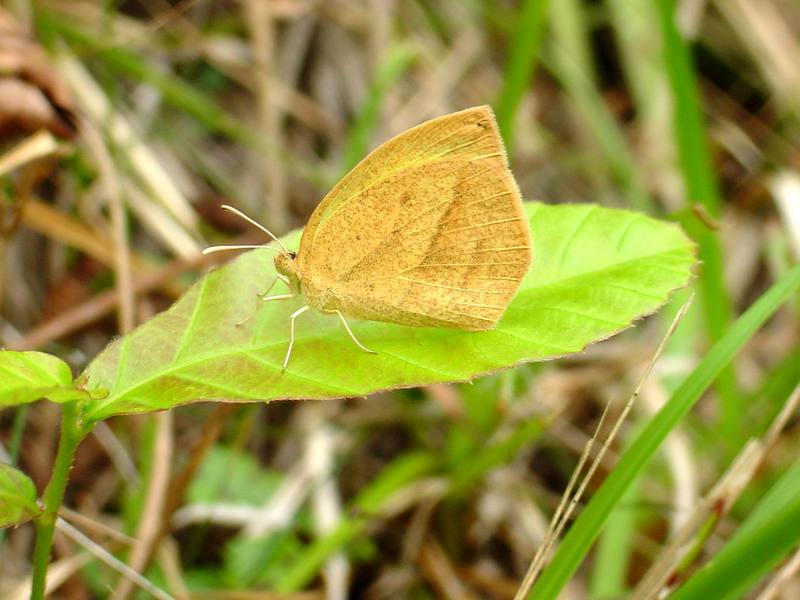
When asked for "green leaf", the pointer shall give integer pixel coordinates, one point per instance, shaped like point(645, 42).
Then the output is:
point(28, 376)
point(391, 67)
point(260, 561)
point(522, 55)
point(595, 270)
point(700, 186)
point(17, 497)
point(228, 475)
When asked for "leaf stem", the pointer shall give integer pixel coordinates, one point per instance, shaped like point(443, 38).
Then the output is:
point(71, 435)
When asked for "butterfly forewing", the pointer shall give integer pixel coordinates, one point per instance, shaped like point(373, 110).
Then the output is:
point(428, 230)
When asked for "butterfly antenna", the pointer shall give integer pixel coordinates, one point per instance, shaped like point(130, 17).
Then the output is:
point(211, 249)
point(236, 211)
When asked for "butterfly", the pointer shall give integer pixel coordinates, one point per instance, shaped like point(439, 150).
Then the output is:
point(427, 231)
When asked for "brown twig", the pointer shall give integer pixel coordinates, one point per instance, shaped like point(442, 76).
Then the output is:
point(112, 191)
point(49, 222)
point(261, 24)
point(99, 306)
point(148, 532)
point(212, 427)
point(437, 568)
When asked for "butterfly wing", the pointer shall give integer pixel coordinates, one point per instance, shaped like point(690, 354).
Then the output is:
point(428, 230)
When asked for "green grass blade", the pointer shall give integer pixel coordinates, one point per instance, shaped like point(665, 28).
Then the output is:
point(634, 22)
point(582, 534)
point(176, 91)
point(614, 550)
point(770, 532)
point(522, 57)
point(390, 70)
point(701, 187)
point(695, 159)
point(768, 399)
point(572, 66)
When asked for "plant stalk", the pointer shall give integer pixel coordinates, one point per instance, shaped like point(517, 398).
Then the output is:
point(71, 436)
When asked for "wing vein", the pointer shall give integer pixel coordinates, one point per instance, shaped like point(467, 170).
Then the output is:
point(416, 163)
point(449, 287)
point(451, 201)
point(459, 206)
point(507, 248)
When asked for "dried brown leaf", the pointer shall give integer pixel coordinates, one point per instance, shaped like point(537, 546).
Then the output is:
point(32, 96)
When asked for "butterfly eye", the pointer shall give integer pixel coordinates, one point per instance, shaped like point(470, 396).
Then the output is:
point(292, 255)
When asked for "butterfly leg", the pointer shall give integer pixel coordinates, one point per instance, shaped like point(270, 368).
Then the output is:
point(279, 277)
point(265, 298)
point(279, 297)
point(295, 314)
point(350, 331)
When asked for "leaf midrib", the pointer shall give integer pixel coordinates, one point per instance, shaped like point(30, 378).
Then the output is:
point(20, 374)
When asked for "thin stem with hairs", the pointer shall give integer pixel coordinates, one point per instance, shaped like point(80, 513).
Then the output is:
point(71, 435)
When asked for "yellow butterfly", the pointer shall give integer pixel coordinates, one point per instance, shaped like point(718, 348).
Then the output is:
point(427, 231)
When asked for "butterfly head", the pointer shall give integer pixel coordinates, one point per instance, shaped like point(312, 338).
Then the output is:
point(285, 260)
point(286, 265)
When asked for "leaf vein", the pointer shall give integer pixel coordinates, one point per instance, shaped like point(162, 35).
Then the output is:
point(187, 331)
point(578, 227)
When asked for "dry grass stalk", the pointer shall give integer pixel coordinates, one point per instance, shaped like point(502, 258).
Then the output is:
point(144, 163)
point(261, 24)
point(111, 186)
point(32, 148)
point(150, 522)
point(569, 500)
point(715, 504)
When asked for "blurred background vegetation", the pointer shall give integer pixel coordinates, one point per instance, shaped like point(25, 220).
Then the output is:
point(126, 124)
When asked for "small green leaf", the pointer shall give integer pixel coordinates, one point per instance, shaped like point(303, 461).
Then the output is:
point(594, 271)
point(28, 376)
point(17, 497)
point(260, 561)
point(233, 477)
